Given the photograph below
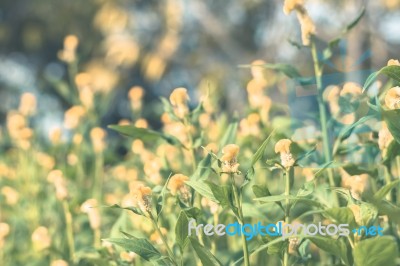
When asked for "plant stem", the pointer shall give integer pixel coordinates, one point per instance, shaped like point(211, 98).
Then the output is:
point(236, 192)
point(164, 240)
point(323, 118)
point(287, 210)
point(69, 228)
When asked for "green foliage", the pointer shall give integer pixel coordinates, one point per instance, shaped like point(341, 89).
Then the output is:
point(376, 251)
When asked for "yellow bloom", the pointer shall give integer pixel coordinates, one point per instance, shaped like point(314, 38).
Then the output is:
point(90, 207)
point(41, 238)
point(392, 98)
point(98, 136)
point(59, 263)
point(27, 105)
point(10, 194)
point(283, 147)
point(143, 196)
point(56, 178)
point(73, 116)
point(135, 95)
point(291, 5)
point(4, 230)
point(179, 98)
point(155, 236)
point(177, 183)
point(229, 158)
point(393, 62)
point(55, 136)
point(141, 123)
point(68, 54)
point(306, 23)
point(384, 138)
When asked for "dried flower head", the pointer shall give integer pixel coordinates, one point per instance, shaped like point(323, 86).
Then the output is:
point(392, 98)
point(142, 195)
point(229, 158)
point(283, 147)
point(177, 184)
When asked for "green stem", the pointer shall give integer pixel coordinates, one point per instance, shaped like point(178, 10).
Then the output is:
point(164, 240)
point(288, 177)
point(236, 192)
point(323, 118)
point(69, 229)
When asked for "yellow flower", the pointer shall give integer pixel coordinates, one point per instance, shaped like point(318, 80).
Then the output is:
point(59, 263)
point(142, 195)
point(55, 136)
point(393, 62)
point(27, 105)
point(392, 98)
point(384, 138)
point(283, 147)
point(356, 183)
point(141, 123)
point(306, 23)
point(155, 236)
point(73, 116)
point(291, 5)
point(135, 95)
point(177, 183)
point(41, 238)
point(229, 158)
point(56, 178)
point(10, 194)
point(97, 136)
point(90, 207)
point(179, 98)
point(4, 230)
point(68, 54)
point(356, 210)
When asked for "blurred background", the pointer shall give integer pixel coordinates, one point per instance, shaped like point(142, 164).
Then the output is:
point(160, 45)
point(70, 68)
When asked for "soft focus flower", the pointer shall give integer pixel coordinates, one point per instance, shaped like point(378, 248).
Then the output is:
point(393, 62)
point(392, 98)
point(143, 196)
point(356, 183)
point(179, 98)
point(141, 123)
point(135, 95)
point(211, 147)
point(250, 125)
point(59, 263)
point(57, 179)
point(74, 116)
point(4, 231)
point(27, 105)
point(177, 184)
point(229, 158)
point(213, 206)
point(385, 138)
point(18, 129)
point(98, 135)
point(127, 256)
point(55, 136)
point(356, 210)
point(283, 147)
point(152, 169)
point(90, 207)
point(10, 194)
point(44, 160)
point(41, 238)
point(155, 236)
point(306, 23)
point(68, 54)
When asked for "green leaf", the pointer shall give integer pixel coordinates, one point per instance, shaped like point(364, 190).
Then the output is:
point(203, 169)
point(230, 135)
point(181, 230)
point(224, 196)
point(145, 134)
point(257, 156)
point(342, 215)
point(346, 131)
point(390, 71)
point(205, 256)
point(282, 197)
point(132, 209)
point(381, 193)
point(202, 188)
point(194, 115)
point(161, 198)
point(376, 251)
point(333, 246)
point(140, 246)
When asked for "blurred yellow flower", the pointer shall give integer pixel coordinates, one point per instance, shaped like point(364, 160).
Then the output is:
point(10, 194)
point(385, 138)
point(68, 54)
point(74, 116)
point(27, 105)
point(127, 256)
point(135, 96)
point(56, 178)
point(392, 98)
point(356, 183)
point(141, 123)
point(59, 263)
point(90, 207)
point(98, 136)
point(155, 236)
point(143, 196)
point(306, 23)
point(177, 183)
point(179, 98)
point(356, 210)
point(55, 136)
point(393, 62)
point(41, 238)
